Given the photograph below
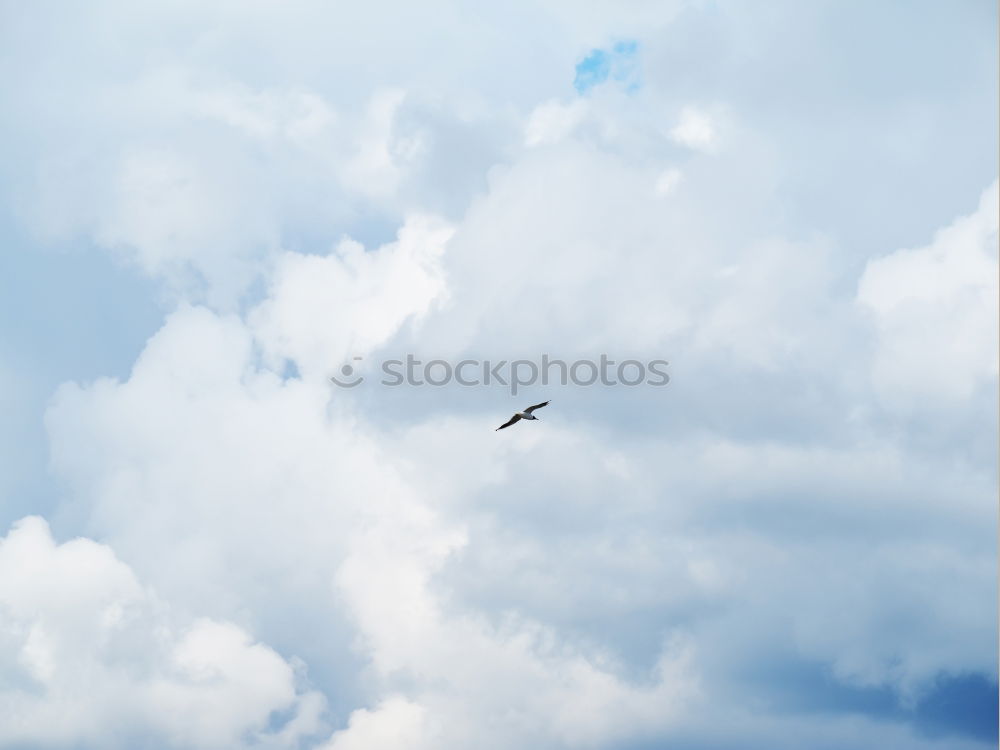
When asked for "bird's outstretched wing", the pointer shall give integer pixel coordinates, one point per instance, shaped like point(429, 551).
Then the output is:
point(536, 406)
point(509, 422)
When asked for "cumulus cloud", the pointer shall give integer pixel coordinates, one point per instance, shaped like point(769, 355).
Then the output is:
point(215, 441)
point(206, 210)
point(341, 508)
point(695, 129)
point(553, 121)
point(470, 673)
point(93, 656)
point(324, 309)
point(395, 722)
point(936, 312)
point(313, 188)
point(175, 216)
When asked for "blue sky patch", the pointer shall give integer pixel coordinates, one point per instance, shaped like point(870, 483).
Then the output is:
point(619, 64)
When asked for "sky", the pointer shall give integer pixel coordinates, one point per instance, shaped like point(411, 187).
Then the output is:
point(206, 211)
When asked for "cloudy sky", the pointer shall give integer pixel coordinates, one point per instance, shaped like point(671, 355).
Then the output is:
point(208, 209)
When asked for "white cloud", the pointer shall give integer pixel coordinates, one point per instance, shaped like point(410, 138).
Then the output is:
point(382, 153)
point(695, 129)
point(92, 656)
point(470, 673)
point(177, 216)
point(554, 120)
point(936, 312)
point(324, 310)
point(339, 507)
point(668, 181)
point(206, 207)
point(394, 723)
point(620, 571)
point(315, 486)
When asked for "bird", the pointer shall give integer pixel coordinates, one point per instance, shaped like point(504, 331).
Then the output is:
point(526, 414)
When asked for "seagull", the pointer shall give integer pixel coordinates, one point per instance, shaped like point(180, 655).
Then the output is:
point(526, 414)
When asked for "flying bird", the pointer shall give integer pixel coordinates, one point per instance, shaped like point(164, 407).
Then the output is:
point(526, 414)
